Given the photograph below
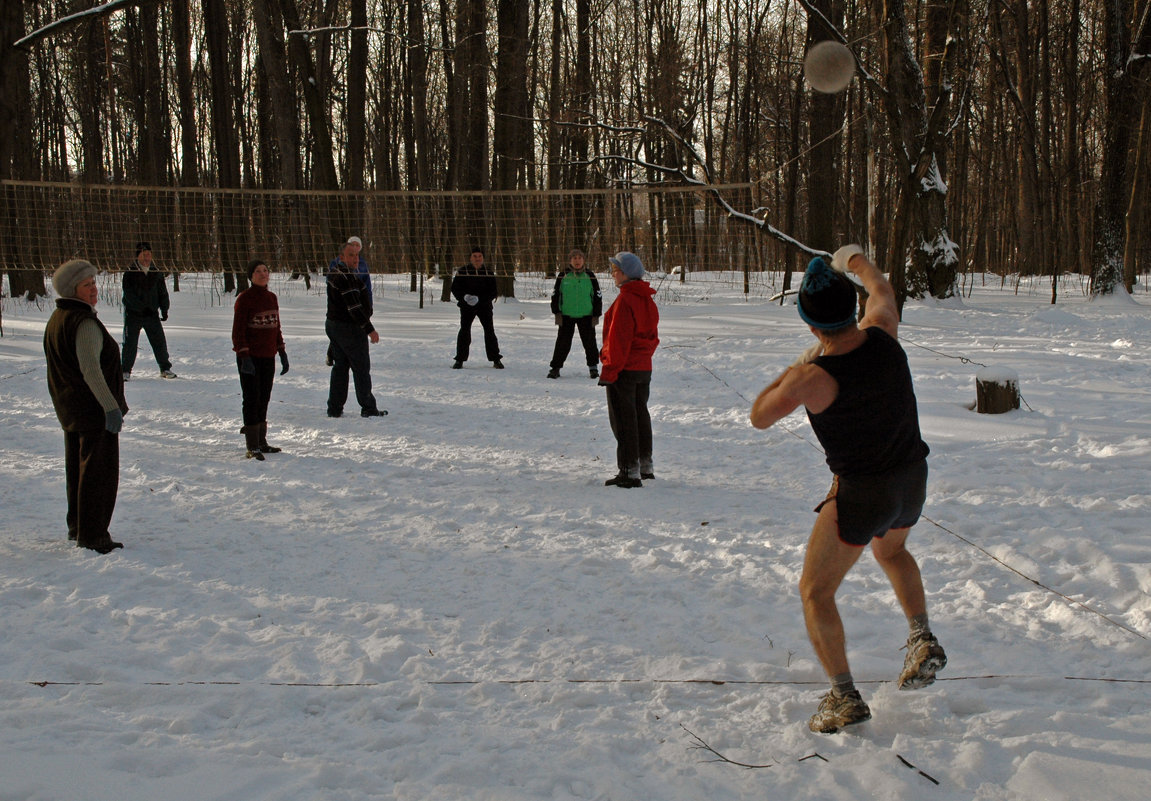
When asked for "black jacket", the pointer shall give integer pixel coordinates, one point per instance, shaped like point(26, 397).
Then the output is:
point(145, 293)
point(479, 282)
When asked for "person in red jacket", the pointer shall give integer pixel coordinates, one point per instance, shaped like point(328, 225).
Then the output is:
point(256, 339)
point(630, 337)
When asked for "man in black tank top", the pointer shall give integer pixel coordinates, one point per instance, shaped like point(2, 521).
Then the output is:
point(856, 387)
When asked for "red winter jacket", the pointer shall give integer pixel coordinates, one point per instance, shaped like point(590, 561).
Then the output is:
point(630, 331)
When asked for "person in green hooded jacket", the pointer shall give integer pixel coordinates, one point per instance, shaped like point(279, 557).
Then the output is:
point(576, 304)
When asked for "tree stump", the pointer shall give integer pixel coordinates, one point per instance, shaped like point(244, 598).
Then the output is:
point(996, 390)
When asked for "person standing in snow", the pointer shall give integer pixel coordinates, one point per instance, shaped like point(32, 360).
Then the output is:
point(362, 270)
point(475, 290)
point(257, 339)
point(145, 306)
point(576, 303)
point(349, 329)
point(856, 387)
point(87, 389)
point(630, 337)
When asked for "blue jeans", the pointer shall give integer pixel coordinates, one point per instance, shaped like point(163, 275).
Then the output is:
point(349, 352)
point(155, 331)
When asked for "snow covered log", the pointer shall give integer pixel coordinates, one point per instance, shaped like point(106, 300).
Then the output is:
point(996, 390)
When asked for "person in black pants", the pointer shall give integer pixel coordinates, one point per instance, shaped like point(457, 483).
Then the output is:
point(475, 291)
point(349, 329)
point(87, 389)
point(257, 339)
point(576, 303)
point(145, 306)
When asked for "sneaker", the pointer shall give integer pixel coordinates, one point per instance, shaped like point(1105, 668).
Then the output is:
point(498, 364)
point(554, 373)
point(457, 365)
point(592, 372)
point(838, 711)
point(373, 412)
point(167, 374)
point(924, 658)
point(623, 481)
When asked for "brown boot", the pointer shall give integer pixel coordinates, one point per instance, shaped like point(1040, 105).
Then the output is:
point(252, 440)
point(264, 446)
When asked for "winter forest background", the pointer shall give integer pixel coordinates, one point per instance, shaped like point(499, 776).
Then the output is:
point(1007, 136)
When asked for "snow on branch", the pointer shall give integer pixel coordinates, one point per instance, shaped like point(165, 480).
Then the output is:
point(96, 11)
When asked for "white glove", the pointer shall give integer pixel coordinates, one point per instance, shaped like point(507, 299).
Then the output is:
point(471, 300)
point(809, 355)
point(841, 257)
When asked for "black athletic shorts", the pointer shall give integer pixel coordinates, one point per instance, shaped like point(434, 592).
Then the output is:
point(868, 506)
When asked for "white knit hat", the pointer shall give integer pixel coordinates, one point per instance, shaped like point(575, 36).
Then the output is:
point(69, 275)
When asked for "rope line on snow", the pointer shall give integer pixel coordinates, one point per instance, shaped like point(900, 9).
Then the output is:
point(513, 682)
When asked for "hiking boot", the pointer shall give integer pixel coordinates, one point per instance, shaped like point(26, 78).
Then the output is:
point(592, 372)
point(623, 481)
point(554, 373)
point(167, 374)
point(252, 442)
point(498, 364)
point(457, 365)
point(837, 711)
point(924, 657)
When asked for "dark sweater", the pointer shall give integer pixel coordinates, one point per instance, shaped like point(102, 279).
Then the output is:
point(256, 324)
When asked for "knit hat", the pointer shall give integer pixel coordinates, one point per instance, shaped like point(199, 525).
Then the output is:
point(628, 263)
point(142, 246)
point(252, 265)
point(826, 298)
point(69, 275)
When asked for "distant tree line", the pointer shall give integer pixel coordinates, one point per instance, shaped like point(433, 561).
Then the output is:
point(980, 135)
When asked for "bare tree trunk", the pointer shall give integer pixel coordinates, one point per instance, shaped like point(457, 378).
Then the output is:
point(1110, 231)
point(224, 134)
point(357, 97)
point(825, 119)
point(511, 140)
point(182, 36)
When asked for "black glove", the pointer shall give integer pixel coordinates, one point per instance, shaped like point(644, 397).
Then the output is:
point(283, 362)
point(247, 366)
point(603, 383)
point(164, 315)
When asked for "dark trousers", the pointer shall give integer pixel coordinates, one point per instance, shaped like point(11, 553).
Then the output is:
point(464, 341)
point(257, 389)
point(92, 474)
point(349, 352)
point(155, 331)
point(630, 421)
point(568, 325)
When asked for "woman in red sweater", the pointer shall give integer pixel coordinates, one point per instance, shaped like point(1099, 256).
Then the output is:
point(256, 339)
point(630, 337)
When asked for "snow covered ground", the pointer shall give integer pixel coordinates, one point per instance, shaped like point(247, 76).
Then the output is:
point(447, 603)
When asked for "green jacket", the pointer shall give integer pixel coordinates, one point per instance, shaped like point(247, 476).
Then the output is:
point(577, 294)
